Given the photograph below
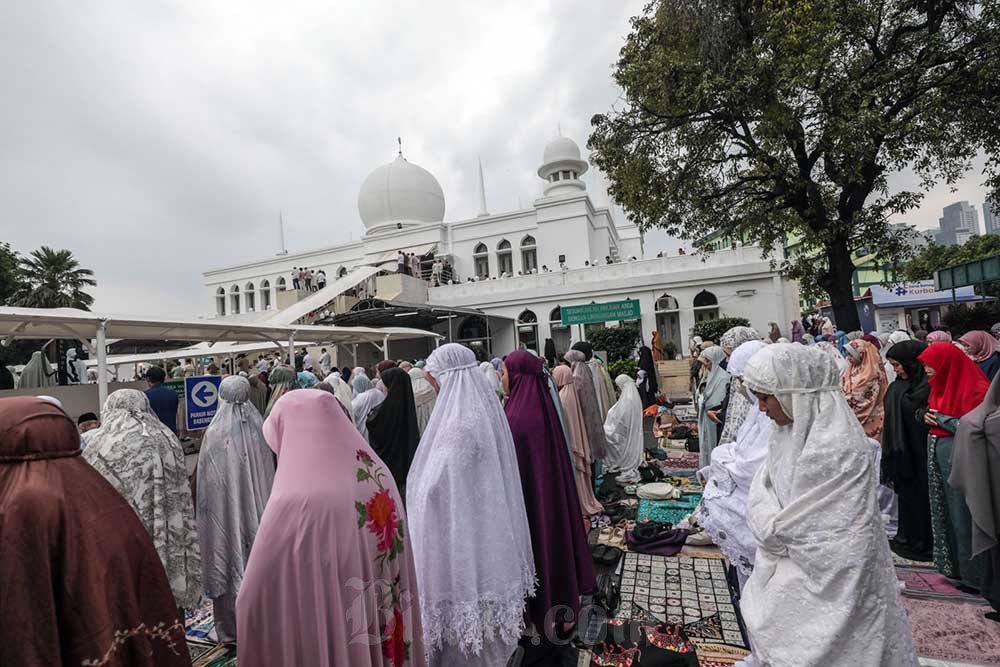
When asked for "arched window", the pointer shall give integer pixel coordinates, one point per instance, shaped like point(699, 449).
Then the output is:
point(220, 302)
point(282, 285)
point(668, 323)
point(666, 303)
point(529, 255)
point(234, 299)
point(527, 331)
point(481, 261)
point(472, 327)
point(341, 272)
point(505, 258)
point(706, 306)
point(250, 295)
point(265, 294)
point(561, 333)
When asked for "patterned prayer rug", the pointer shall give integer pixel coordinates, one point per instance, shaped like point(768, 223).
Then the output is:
point(668, 511)
point(685, 590)
point(954, 632)
point(928, 584)
point(198, 622)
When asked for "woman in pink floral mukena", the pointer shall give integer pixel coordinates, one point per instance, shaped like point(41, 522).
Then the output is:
point(330, 580)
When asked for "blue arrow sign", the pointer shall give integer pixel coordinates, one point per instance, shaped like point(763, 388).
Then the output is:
point(201, 400)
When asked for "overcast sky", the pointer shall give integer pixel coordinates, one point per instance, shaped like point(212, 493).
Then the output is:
point(157, 141)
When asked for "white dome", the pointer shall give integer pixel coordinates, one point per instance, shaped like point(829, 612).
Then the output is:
point(560, 148)
point(400, 192)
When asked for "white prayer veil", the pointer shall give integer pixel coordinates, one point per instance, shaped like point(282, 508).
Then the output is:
point(474, 573)
point(723, 509)
point(623, 429)
point(823, 589)
point(342, 392)
point(235, 474)
point(740, 403)
point(424, 397)
point(492, 377)
point(364, 403)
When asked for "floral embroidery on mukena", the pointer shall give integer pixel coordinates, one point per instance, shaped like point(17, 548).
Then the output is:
point(382, 520)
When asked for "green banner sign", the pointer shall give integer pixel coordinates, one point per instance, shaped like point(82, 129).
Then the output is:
point(601, 312)
point(177, 386)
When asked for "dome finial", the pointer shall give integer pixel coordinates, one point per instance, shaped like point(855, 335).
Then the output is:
point(400, 140)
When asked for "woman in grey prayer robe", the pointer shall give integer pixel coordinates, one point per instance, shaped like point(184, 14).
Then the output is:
point(711, 399)
point(975, 473)
point(593, 420)
point(235, 474)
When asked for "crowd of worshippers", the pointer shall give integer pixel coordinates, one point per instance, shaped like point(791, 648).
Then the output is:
point(436, 512)
point(822, 456)
point(415, 513)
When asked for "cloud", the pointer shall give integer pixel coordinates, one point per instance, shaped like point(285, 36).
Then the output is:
point(158, 140)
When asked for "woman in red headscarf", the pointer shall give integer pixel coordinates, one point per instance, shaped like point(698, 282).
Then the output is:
point(957, 387)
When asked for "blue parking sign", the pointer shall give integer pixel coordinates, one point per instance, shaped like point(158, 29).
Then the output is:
point(201, 400)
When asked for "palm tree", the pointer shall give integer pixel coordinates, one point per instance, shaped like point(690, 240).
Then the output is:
point(54, 279)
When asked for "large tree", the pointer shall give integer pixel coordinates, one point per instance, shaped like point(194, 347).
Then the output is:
point(780, 120)
point(54, 279)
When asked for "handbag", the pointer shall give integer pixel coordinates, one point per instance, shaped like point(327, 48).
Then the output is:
point(607, 596)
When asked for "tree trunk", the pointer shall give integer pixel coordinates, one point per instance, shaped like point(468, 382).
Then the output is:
point(839, 284)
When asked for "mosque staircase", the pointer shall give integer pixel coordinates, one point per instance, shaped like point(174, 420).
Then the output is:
point(311, 307)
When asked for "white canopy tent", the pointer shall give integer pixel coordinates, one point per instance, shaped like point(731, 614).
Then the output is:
point(45, 323)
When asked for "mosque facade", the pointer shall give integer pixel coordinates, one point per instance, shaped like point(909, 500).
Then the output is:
point(508, 275)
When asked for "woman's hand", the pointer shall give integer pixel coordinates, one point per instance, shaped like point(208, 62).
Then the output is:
point(714, 416)
point(930, 418)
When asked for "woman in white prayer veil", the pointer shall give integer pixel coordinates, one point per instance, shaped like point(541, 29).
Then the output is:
point(492, 377)
point(342, 392)
point(37, 373)
point(235, 474)
point(364, 403)
point(623, 428)
point(473, 580)
point(424, 397)
point(823, 592)
point(723, 508)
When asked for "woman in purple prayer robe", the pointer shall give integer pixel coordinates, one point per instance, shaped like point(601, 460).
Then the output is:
point(562, 561)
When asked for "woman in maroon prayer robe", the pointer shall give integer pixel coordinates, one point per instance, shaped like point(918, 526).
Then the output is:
point(80, 581)
point(562, 561)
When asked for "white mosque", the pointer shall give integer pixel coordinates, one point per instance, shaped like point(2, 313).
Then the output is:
point(508, 274)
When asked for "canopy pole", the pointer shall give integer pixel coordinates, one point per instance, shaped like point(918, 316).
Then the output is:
point(385, 347)
point(291, 349)
point(354, 353)
point(102, 366)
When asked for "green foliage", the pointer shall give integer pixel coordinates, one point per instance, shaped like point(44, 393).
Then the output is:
point(618, 342)
point(53, 279)
point(627, 367)
point(10, 274)
point(782, 120)
point(713, 329)
point(669, 350)
point(964, 318)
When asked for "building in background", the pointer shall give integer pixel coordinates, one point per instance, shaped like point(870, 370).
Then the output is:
point(505, 277)
point(991, 223)
point(959, 223)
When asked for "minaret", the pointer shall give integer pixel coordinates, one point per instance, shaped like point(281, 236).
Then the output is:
point(281, 235)
point(482, 193)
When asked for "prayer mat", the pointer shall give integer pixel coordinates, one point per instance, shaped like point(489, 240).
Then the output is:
point(690, 591)
point(898, 560)
point(954, 632)
point(198, 649)
point(668, 511)
point(199, 621)
point(928, 584)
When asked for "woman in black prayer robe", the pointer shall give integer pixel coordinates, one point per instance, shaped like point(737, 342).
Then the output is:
point(648, 388)
point(904, 450)
point(392, 426)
